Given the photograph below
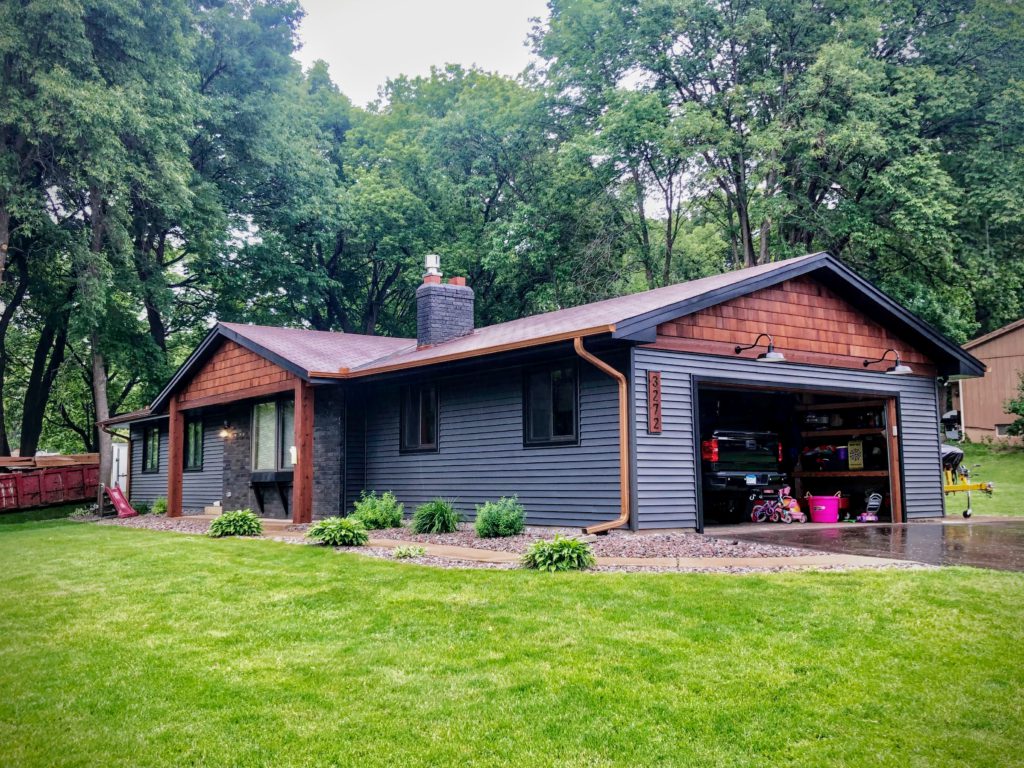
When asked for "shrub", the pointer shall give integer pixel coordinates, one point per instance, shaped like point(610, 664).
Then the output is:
point(378, 512)
point(559, 554)
point(159, 507)
point(241, 522)
point(142, 508)
point(437, 516)
point(339, 532)
point(505, 517)
point(403, 553)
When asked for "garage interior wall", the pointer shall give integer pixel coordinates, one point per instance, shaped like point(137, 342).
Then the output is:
point(666, 464)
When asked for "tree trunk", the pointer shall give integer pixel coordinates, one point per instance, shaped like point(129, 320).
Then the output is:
point(5, 323)
point(5, 239)
point(99, 367)
point(103, 442)
point(46, 363)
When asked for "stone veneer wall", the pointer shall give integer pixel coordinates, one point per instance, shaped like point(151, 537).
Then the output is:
point(328, 451)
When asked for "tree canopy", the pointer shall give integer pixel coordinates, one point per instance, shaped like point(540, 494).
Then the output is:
point(166, 163)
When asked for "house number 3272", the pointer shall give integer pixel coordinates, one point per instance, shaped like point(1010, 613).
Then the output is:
point(654, 402)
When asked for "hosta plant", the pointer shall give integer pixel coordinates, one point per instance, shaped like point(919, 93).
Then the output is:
point(406, 552)
point(559, 554)
point(241, 522)
point(339, 532)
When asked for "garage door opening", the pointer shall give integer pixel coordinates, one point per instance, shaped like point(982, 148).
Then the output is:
point(756, 442)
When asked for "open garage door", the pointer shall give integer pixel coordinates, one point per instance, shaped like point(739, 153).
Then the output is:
point(757, 442)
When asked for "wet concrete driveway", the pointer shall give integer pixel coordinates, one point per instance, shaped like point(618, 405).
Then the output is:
point(997, 544)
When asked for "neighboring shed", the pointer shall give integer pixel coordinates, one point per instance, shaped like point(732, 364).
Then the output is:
point(982, 401)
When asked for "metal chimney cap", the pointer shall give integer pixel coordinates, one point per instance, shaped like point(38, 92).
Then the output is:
point(432, 262)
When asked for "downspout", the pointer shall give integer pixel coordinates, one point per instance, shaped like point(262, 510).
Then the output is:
point(620, 378)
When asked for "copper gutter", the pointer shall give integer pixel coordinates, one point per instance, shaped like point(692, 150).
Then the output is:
point(624, 461)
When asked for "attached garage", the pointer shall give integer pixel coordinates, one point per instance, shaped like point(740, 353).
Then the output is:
point(846, 403)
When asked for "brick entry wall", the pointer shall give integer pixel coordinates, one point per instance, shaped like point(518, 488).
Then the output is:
point(328, 451)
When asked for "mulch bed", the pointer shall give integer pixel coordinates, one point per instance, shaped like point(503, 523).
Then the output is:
point(615, 544)
point(159, 523)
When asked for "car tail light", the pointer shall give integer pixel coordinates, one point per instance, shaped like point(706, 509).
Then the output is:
point(709, 450)
point(780, 453)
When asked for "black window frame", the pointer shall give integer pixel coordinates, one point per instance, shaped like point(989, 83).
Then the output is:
point(551, 441)
point(148, 453)
point(279, 443)
point(188, 457)
point(405, 396)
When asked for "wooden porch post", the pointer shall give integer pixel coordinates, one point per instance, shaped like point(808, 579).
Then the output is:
point(175, 457)
point(302, 479)
point(895, 461)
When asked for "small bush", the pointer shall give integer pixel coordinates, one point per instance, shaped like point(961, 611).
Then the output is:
point(241, 522)
point(505, 517)
point(339, 532)
point(159, 507)
point(403, 553)
point(142, 507)
point(377, 512)
point(437, 516)
point(559, 554)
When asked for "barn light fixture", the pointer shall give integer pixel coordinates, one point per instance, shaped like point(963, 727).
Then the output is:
point(769, 355)
point(898, 369)
point(225, 431)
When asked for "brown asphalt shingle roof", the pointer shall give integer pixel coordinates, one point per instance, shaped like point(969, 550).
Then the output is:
point(321, 350)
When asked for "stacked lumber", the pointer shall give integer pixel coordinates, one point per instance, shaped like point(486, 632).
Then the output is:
point(45, 462)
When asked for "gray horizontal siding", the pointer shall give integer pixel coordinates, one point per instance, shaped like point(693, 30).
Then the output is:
point(482, 456)
point(147, 487)
point(198, 489)
point(666, 470)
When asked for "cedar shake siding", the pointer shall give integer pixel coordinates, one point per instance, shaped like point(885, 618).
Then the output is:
point(666, 463)
point(233, 368)
point(809, 323)
point(481, 456)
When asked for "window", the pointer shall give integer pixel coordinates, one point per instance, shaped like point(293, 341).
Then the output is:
point(273, 435)
point(1002, 430)
point(194, 444)
point(419, 418)
point(151, 449)
point(550, 403)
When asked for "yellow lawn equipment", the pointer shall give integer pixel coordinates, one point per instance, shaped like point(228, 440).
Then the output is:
point(957, 477)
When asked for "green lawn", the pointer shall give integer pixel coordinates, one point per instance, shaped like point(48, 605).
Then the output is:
point(1003, 467)
point(123, 647)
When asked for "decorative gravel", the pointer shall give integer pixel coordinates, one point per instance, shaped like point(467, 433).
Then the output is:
point(614, 544)
point(183, 524)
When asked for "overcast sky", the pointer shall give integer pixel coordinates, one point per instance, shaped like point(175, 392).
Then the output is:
point(367, 41)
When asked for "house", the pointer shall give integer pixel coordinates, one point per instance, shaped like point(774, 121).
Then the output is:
point(982, 402)
point(597, 416)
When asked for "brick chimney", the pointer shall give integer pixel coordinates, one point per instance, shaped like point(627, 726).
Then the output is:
point(444, 311)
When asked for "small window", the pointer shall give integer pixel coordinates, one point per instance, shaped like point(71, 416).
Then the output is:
point(286, 431)
point(419, 418)
point(194, 445)
point(151, 449)
point(550, 406)
point(273, 435)
point(1002, 430)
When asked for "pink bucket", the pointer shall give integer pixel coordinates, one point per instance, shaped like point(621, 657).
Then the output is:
point(824, 509)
